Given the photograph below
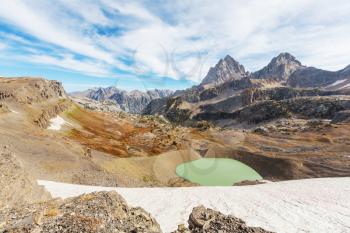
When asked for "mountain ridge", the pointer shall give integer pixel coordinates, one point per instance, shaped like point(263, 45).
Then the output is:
point(133, 101)
point(283, 78)
point(227, 78)
point(284, 68)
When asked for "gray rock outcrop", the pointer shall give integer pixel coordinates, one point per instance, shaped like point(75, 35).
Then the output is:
point(211, 221)
point(264, 111)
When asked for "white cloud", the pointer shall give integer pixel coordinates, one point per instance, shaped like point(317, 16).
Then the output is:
point(3, 46)
point(130, 8)
point(72, 87)
point(183, 39)
point(89, 10)
point(69, 63)
point(41, 24)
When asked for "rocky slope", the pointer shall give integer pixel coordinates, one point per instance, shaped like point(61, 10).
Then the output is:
point(95, 105)
point(307, 77)
point(17, 186)
point(133, 101)
point(264, 111)
point(252, 101)
point(95, 212)
point(3, 108)
point(90, 145)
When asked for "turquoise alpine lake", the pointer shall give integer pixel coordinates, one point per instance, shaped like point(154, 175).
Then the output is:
point(216, 172)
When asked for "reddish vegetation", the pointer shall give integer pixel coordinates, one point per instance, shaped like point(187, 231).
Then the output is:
point(112, 135)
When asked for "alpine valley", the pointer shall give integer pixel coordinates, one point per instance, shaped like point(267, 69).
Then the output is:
point(286, 127)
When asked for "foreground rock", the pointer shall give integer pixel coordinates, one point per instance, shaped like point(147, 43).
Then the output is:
point(94, 212)
point(210, 221)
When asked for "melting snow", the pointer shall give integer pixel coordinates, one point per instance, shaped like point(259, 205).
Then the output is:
point(312, 205)
point(57, 122)
point(345, 86)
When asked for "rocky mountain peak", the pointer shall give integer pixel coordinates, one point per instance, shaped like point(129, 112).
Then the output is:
point(226, 69)
point(101, 93)
point(285, 58)
point(280, 67)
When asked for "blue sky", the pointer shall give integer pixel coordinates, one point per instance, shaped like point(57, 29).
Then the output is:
point(164, 44)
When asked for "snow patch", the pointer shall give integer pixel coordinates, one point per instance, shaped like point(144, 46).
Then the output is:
point(57, 123)
point(337, 82)
point(15, 112)
point(345, 86)
point(312, 205)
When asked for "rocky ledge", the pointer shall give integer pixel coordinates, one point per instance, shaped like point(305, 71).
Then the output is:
point(27, 90)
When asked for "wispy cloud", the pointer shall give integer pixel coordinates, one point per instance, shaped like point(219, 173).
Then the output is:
point(177, 39)
point(2, 46)
point(69, 63)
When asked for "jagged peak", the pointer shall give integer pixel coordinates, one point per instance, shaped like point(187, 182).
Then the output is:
point(285, 54)
point(280, 67)
point(229, 60)
point(284, 58)
point(226, 69)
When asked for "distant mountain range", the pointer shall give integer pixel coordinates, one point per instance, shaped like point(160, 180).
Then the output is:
point(230, 95)
point(228, 78)
point(284, 68)
point(129, 101)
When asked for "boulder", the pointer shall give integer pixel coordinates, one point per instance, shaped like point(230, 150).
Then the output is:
point(211, 221)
